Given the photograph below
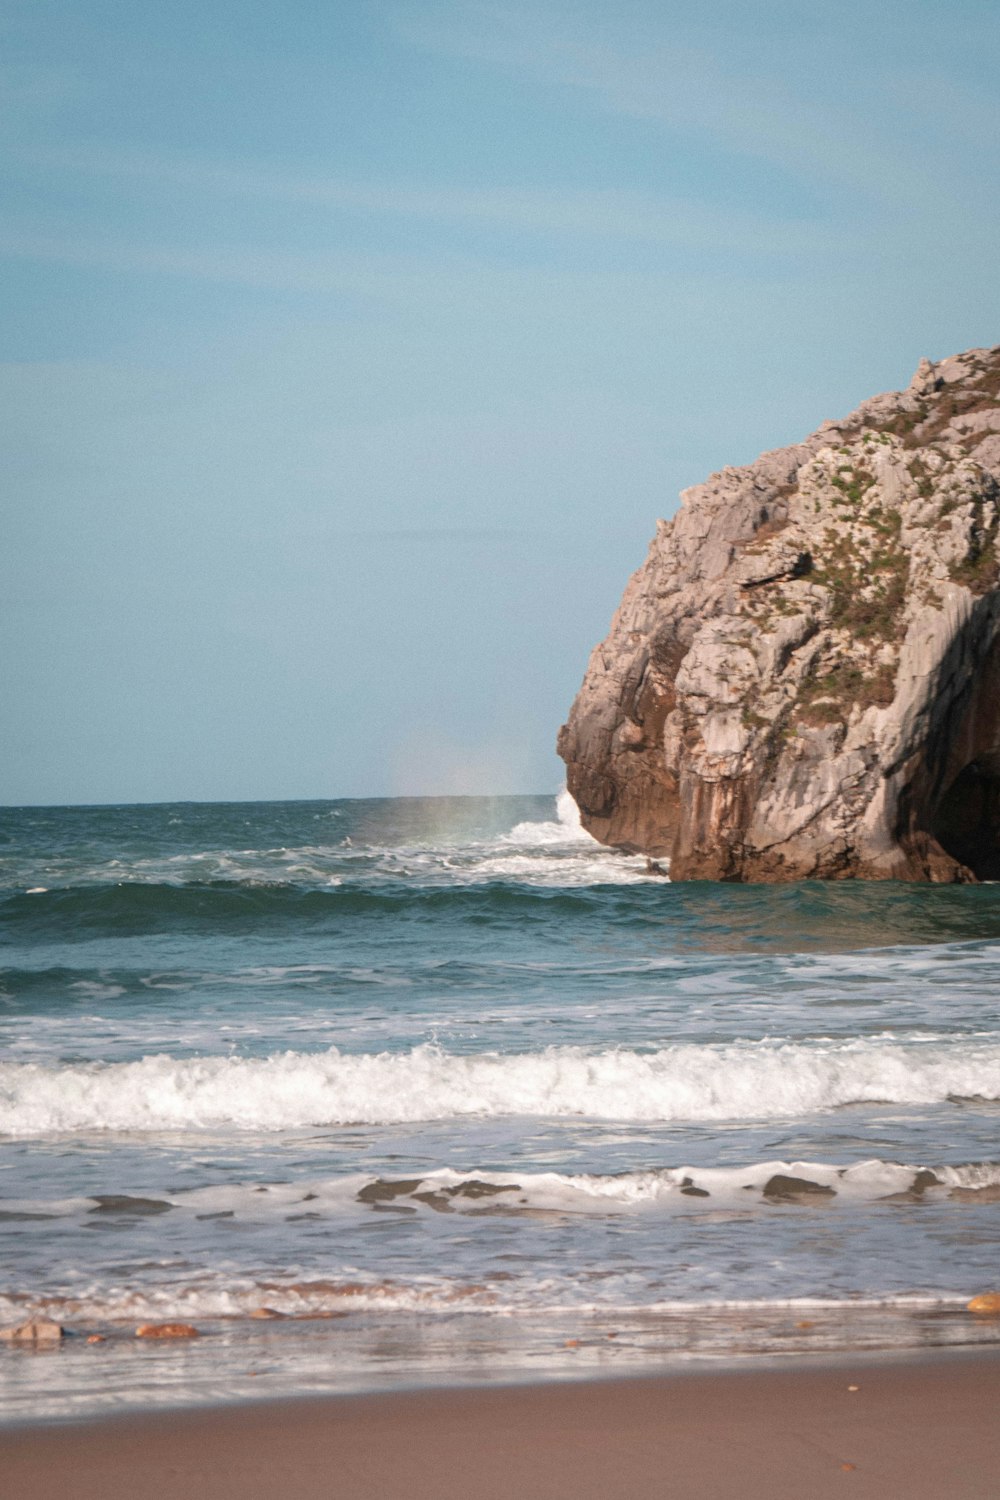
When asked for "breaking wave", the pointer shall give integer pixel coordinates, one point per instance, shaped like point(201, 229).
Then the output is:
point(735, 1081)
point(447, 1190)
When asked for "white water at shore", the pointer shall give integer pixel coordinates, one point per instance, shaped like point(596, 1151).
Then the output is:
point(289, 1090)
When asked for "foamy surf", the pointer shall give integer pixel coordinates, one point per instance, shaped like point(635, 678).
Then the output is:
point(244, 1298)
point(571, 1113)
point(565, 829)
point(292, 1090)
point(547, 852)
point(485, 1191)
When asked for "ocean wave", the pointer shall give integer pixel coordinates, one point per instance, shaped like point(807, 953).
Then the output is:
point(535, 853)
point(547, 853)
point(756, 1183)
point(292, 1090)
point(228, 906)
point(512, 888)
point(565, 829)
point(225, 1296)
point(241, 889)
point(477, 1192)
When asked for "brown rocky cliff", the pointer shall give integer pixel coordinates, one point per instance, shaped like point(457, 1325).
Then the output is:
point(803, 678)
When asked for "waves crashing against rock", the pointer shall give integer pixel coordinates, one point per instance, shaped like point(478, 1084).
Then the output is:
point(803, 678)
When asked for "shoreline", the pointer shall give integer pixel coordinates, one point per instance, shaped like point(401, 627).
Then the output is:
point(108, 1373)
point(918, 1425)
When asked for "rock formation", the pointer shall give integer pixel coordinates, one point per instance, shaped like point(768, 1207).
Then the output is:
point(803, 678)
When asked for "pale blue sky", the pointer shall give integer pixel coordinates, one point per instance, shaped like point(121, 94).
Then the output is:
point(351, 348)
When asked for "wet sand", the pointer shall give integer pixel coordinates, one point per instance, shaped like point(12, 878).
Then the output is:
point(924, 1429)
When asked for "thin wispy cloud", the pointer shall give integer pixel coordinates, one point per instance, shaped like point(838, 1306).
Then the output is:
point(447, 281)
point(597, 213)
point(239, 264)
point(672, 71)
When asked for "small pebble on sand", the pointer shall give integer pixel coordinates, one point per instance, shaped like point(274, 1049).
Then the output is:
point(37, 1331)
point(166, 1331)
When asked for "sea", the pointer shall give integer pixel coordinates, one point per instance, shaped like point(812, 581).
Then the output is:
point(387, 1093)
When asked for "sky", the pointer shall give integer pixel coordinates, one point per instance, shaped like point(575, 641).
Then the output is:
point(350, 349)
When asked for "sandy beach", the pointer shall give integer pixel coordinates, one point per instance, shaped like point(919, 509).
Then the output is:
point(923, 1429)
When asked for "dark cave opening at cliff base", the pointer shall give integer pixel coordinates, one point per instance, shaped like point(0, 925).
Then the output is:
point(967, 820)
point(965, 815)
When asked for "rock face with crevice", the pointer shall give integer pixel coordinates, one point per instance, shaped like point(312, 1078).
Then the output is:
point(803, 678)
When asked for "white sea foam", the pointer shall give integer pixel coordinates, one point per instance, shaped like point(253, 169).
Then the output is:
point(545, 863)
point(557, 853)
point(224, 1295)
point(187, 1220)
point(486, 1190)
point(551, 852)
point(567, 829)
point(740, 1080)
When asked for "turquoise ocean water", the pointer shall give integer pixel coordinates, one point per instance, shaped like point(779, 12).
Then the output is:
point(376, 1093)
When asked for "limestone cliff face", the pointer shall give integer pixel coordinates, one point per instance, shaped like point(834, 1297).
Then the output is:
point(803, 678)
